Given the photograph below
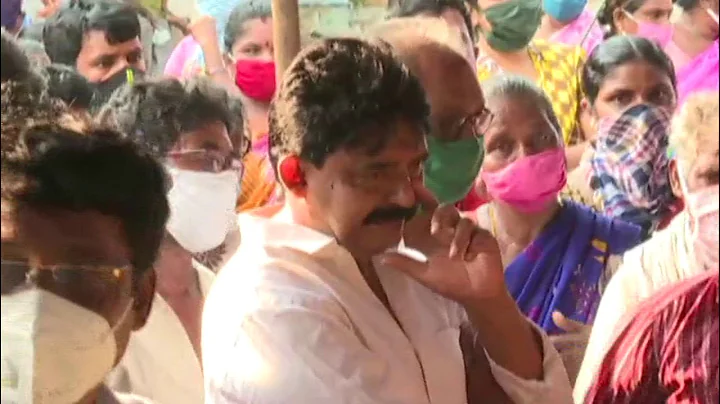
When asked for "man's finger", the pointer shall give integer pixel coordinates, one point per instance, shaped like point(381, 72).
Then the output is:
point(567, 324)
point(403, 263)
point(464, 232)
point(482, 242)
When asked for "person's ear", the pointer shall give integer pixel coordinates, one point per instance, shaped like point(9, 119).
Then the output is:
point(291, 174)
point(144, 296)
point(620, 21)
point(674, 175)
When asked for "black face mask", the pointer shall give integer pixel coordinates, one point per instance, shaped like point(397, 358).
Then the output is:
point(105, 89)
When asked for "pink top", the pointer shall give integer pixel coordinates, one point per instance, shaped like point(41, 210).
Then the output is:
point(574, 33)
point(700, 74)
point(182, 58)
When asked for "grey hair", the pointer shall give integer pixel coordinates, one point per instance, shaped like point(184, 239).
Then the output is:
point(523, 88)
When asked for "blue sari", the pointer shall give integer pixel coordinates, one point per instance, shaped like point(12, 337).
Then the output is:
point(561, 269)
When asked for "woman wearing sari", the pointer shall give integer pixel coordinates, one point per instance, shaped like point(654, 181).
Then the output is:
point(694, 47)
point(558, 254)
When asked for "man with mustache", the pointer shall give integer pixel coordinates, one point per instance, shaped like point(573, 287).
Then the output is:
point(320, 305)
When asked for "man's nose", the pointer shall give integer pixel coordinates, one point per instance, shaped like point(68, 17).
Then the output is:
point(404, 195)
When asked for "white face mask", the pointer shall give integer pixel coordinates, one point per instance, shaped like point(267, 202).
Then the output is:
point(703, 209)
point(53, 351)
point(202, 208)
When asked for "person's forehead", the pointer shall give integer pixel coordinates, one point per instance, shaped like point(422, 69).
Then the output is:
point(405, 141)
point(657, 5)
point(257, 30)
point(506, 111)
point(450, 84)
point(636, 74)
point(60, 236)
point(213, 135)
point(95, 43)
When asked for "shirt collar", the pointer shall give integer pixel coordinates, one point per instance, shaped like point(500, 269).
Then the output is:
point(273, 226)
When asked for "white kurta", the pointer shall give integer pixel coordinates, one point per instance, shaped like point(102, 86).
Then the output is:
point(160, 362)
point(291, 320)
point(664, 259)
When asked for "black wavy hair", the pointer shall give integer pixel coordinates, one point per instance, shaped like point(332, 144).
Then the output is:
point(343, 94)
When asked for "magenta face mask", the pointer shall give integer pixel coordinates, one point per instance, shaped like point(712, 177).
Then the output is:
point(660, 33)
point(531, 183)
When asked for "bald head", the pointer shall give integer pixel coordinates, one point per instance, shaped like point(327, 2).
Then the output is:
point(432, 51)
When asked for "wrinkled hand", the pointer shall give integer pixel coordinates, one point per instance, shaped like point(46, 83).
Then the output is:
point(572, 344)
point(204, 30)
point(464, 261)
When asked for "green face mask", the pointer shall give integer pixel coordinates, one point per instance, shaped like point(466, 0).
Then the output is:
point(452, 167)
point(514, 24)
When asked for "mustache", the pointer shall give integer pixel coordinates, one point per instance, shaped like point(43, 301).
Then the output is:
point(391, 214)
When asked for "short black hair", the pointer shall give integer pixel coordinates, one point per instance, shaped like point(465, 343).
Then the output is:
point(242, 13)
point(64, 32)
point(66, 84)
point(154, 113)
point(607, 10)
point(53, 167)
point(620, 50)
point(434, 8)
point(343, 94)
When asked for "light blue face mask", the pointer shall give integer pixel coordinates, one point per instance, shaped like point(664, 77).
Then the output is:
point(564, 10)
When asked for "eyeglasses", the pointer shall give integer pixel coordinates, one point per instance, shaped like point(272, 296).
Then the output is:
point(477, 124)
point(207, 160)
point(95, 287)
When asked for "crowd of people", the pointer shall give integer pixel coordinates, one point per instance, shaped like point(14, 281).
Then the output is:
point(473, 201)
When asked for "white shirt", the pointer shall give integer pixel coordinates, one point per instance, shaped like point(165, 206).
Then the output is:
point(290, 319)
point(664, 259)
point(160, 362)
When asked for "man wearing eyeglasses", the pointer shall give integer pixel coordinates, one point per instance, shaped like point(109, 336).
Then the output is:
point(190, 127)
point(82, 219)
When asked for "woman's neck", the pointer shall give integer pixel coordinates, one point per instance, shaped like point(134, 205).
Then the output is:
point(502, 56)
point(257, 117)
point(175, 272)
point(521, 228)
point(549, 26)
point(690, 37)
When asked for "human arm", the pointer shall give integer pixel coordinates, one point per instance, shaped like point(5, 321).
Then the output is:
point(204, 31)
point(464, 265)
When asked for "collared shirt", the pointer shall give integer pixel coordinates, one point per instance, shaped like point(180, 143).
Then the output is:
point(290, 319)
point(668, 351)
point(160, 362)
point(664, 259)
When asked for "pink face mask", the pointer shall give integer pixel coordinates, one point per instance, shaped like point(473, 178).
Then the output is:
point(704, 209)
point(256, 79)
point(660, 33)
point(531, 183)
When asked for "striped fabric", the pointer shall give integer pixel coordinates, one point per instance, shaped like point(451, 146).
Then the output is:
point(667, 352)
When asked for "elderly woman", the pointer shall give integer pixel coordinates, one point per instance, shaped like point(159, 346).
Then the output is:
point(507, 46)
point(686, 248)
point(557, 253)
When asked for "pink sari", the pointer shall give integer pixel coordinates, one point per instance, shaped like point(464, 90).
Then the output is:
point(574, 34)
point(701, 74)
